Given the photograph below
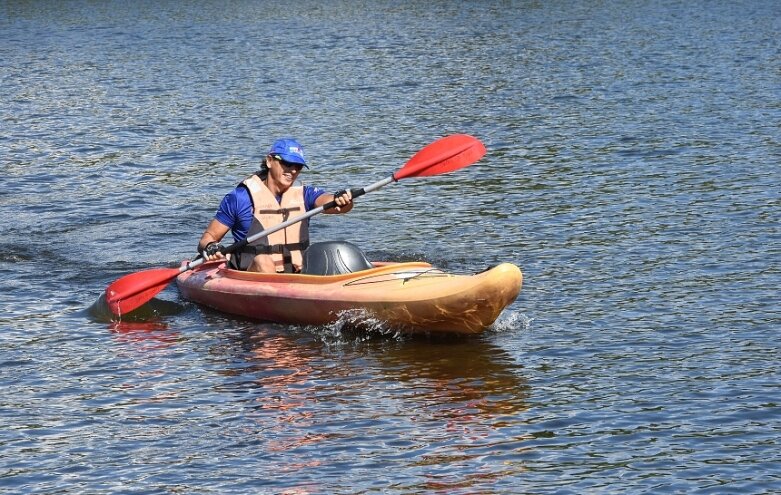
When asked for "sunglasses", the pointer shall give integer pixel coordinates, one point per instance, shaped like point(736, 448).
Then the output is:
point(285, 164)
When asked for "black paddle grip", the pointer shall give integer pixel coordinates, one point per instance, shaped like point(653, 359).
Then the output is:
point(355, 192)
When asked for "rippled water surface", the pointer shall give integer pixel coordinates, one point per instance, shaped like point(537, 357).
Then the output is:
point(632, 173)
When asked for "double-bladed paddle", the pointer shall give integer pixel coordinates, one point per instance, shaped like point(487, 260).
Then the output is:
point(443, 155)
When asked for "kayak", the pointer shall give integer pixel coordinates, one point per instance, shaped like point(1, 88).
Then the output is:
point(412, 297)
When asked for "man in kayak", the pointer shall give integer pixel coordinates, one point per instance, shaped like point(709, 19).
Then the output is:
point(265, 199)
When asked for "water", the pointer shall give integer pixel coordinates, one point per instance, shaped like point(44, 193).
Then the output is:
point(632, 173)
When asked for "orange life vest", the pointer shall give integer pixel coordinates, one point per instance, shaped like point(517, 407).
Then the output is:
point(285, 246)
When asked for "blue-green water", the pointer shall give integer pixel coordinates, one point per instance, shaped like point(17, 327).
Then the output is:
point(632, 173)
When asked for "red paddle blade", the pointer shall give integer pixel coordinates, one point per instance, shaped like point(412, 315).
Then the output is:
point(134, 290)
point(443, 155)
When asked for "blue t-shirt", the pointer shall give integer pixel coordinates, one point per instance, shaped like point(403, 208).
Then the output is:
point(235, 209)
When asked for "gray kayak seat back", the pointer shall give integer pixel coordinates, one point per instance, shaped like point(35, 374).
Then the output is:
point(334, 258)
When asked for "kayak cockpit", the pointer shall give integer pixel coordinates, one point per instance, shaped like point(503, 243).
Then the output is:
point(334, 258)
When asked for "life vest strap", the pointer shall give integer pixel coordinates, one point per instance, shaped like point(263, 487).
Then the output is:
point(277, 248)
point(285, 212)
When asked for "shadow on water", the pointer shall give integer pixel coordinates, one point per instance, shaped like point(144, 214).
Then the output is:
point(154, 310)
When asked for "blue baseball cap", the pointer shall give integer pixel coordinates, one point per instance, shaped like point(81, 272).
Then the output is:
point(288, 150)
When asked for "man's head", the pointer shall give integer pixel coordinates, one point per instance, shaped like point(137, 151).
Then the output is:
point(288, 150)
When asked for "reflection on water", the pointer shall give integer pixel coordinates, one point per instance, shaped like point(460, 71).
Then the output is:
point(149, 323)
point(443, 402)
point(145, 332)
point(632, 173)
point(461, 379)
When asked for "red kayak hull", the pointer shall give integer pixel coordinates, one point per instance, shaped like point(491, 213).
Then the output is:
point(410, 297)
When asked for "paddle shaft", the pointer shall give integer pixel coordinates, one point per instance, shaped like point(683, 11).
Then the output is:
point(254, 237)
